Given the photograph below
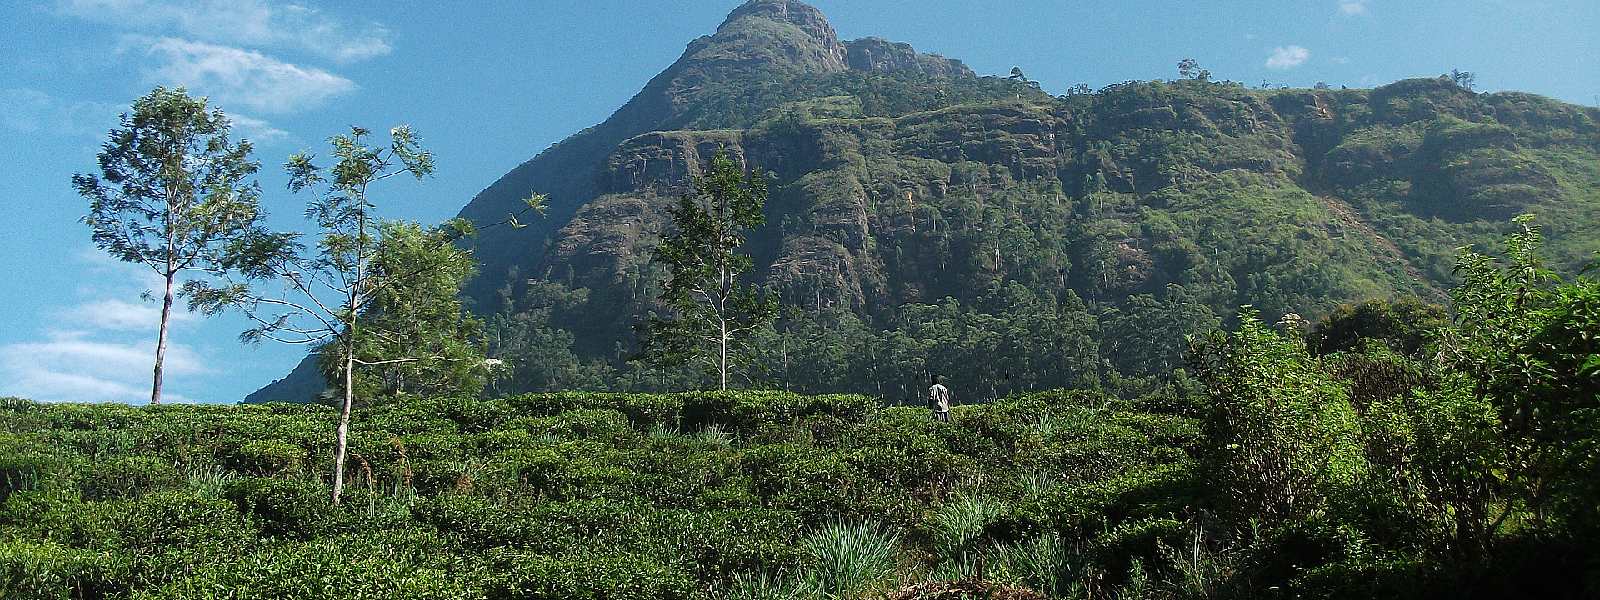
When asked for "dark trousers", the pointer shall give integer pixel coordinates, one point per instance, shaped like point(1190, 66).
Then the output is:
point(941, 416)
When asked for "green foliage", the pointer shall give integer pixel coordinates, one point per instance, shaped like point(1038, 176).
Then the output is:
point(536, 354)
point(285, 507)
point(1406, 325)
point(564, 495)
point(850, 560)
point(714, 314)
point(417, 313)
point(266, 457)
point(128, 475)
point(1371, 467)
point(1281, 434)
point(173, 192)
point(1525, 346)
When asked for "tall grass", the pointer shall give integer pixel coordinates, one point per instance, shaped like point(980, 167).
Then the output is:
point(207, 478)
point(850, 560)
point(1047, 564)
point(717, 435)
point(662, 432)
point(958, 530)
point(764, 586)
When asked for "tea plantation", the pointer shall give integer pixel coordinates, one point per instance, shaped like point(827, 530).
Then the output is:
point(577, 495)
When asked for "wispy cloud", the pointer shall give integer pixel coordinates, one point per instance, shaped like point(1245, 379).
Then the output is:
point(115, 314)
point(257, 130)
point(72, 366)
point(239, 77)
point(32, 111)
point(1288, 57)
point(102, 348)
point(242, 23)
point(1351, 8)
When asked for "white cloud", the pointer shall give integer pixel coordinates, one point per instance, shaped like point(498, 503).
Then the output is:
point(257, 130)
point(72, 367)
point(240, 77)
point(109, 277)
point(1340, 60)
point(121, 315)
point(101, 349)
point(1352, 8)
point(32, 111)
point(1287, 57)
point(242, 23)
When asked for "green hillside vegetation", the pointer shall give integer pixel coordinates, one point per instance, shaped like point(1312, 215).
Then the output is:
point(913, 198)
point(1119, 212)
point(1384, 452)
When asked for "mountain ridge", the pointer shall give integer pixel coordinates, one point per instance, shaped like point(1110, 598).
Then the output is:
point(902, 178)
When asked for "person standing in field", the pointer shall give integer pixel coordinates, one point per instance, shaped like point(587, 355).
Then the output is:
point(939, 399)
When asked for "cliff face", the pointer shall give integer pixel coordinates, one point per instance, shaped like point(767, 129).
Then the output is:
point(881, 55)
point(855, 195)
point(710, 85)
point(901, 179)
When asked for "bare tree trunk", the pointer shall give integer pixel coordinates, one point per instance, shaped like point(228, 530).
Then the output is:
point(724, 348)
point(341, 439)
point(161, 338)
point(722, 321)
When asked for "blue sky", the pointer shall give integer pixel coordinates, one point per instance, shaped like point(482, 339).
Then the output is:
point(490, 84)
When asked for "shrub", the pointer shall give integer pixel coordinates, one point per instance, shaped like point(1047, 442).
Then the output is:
point(347, 567)
point(596, 423)
point(586, 576)
point(23, 468)
point(126, 476)
point(267, 458)
point(47, 570)
point(291, 508)
point(536, 526)
point(644, 410)
point(569, 471)
point(1282, 437)
point(748, 410)
point(718, 543)
point(817, 485)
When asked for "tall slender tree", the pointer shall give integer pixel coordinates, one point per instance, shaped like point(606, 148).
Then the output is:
point(319, 296)
point(351, 296)
point(711, 314)
point(172, 191)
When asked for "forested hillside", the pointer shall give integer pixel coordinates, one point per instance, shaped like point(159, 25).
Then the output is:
point(1384, 452)
point(925, 219)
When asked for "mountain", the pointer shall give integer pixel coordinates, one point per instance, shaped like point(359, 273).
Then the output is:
point(923, 218)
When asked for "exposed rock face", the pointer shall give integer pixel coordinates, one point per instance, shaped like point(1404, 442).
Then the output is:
point(878, 54)
point(763, 38)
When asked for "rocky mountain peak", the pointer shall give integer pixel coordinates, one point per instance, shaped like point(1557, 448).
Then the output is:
point(799, 14)
point(784, 35)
